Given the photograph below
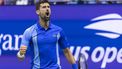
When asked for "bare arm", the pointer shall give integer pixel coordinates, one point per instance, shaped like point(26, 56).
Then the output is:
point(69, 56)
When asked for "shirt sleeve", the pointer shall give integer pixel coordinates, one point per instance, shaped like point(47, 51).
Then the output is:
point(63, 40)
point(26, 38)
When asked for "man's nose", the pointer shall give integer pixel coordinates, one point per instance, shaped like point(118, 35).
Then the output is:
point(47, 10)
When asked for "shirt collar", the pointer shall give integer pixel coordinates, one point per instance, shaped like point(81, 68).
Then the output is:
point(41, 28)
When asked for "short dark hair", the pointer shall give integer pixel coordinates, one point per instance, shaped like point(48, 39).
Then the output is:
point(40, 2)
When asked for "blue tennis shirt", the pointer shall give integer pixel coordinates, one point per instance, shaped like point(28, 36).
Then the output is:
point(44, 45)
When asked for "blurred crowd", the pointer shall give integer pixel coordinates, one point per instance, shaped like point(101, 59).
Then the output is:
point(32, 2)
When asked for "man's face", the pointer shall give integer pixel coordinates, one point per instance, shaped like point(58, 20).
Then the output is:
point(1, 1)
point(44, 11)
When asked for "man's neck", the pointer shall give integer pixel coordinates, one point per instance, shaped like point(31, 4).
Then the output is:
point(44, 24)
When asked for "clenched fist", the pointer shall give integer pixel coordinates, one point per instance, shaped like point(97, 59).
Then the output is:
point(23, 50)
point(21, 53)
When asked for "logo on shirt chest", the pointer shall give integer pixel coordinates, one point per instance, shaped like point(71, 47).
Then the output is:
point(56, 35)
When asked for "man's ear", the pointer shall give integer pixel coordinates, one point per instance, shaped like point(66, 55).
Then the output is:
point(37, 12)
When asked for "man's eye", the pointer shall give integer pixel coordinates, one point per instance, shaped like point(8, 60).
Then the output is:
point(48, 6)
point(44, 7)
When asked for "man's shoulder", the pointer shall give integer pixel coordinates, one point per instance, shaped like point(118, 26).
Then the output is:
point(56, 27)
point(31, 28)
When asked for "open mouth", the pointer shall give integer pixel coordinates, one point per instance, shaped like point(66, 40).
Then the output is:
point(47, 13)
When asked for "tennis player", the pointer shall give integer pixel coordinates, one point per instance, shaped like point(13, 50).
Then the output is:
point(44, 40)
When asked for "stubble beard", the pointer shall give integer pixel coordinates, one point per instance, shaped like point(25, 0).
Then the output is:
point(46, 19)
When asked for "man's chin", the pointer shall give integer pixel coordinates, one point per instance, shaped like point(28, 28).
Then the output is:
point(47, 18)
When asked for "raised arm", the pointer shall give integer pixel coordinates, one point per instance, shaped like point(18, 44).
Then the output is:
point(24, 44)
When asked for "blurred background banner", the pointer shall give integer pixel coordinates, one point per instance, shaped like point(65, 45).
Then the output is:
point(94, 30)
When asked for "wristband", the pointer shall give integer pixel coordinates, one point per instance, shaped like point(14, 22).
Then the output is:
point(74, 66)
point(20, 56)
